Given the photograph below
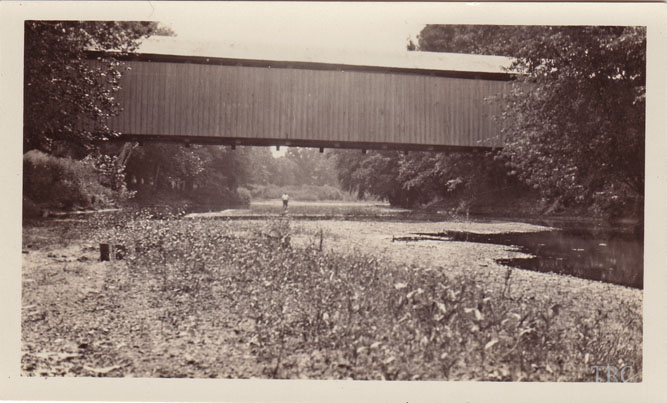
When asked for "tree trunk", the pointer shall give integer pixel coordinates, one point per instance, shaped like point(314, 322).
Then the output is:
point(553, 207)
point(157, 175)
point(124, 155)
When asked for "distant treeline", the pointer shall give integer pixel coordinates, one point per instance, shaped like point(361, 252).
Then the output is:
point(155, 173)
point(461, 182)
point(219, 176)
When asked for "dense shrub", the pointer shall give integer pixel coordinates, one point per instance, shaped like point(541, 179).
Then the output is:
point(63, 183)
point(244, 196)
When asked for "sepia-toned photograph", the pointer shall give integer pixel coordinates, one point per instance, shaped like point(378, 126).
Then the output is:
point(239, 197)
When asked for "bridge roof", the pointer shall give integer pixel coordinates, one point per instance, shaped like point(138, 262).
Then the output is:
point(166, 48)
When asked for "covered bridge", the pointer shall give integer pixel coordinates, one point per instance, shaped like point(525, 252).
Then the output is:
point(180, 91)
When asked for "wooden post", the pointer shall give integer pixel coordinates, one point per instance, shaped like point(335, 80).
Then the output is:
point(110, 252)
point(321, 239)
point(105, 250)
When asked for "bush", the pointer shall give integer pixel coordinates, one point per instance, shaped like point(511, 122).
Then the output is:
point(64, 184)
point(243, 195)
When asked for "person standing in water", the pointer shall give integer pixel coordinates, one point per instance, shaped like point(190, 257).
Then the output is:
point(285, 198)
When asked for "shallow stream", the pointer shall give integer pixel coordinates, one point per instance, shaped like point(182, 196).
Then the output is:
point(609, 255)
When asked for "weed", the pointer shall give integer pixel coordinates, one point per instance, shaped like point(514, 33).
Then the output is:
point(320, 313)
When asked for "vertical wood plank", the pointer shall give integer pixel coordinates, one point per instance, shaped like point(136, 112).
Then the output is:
point(214, 100)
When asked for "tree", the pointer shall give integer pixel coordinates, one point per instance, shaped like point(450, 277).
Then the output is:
point(311, 166)
point(419, 178)
point(471, 177)
point(499, 40)
point(206, 174)
point(574, 125)
point(259, 164)
point(372, 174)
point(68, 97)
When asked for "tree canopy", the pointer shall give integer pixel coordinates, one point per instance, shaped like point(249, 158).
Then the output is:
point(422, 177)
point(68, 98)
point(574, 126)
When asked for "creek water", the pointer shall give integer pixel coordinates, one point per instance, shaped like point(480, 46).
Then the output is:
point(609, 255)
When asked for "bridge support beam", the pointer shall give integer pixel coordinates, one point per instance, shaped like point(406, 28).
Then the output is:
point(276, 142)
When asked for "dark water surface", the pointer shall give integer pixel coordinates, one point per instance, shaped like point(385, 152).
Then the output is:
point(609, 255)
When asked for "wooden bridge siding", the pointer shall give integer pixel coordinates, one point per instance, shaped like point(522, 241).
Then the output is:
point(260, 102)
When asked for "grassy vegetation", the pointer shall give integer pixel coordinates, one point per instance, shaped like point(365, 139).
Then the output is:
point(300, 192)
point(209, 298)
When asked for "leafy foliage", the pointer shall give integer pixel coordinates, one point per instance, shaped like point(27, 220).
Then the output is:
point(299, 166)
point(371, 174)
point(310, 168)
point(68, 98)
point(303, 312)
point(63, 183)
point(574, 126)
point(217, 175)
point(206, 175)
point(421, 177)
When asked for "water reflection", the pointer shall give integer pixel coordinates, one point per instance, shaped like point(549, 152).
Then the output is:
point(608, 255)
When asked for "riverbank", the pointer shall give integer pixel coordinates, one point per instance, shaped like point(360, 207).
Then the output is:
point(468, 258)
point(258, 298)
